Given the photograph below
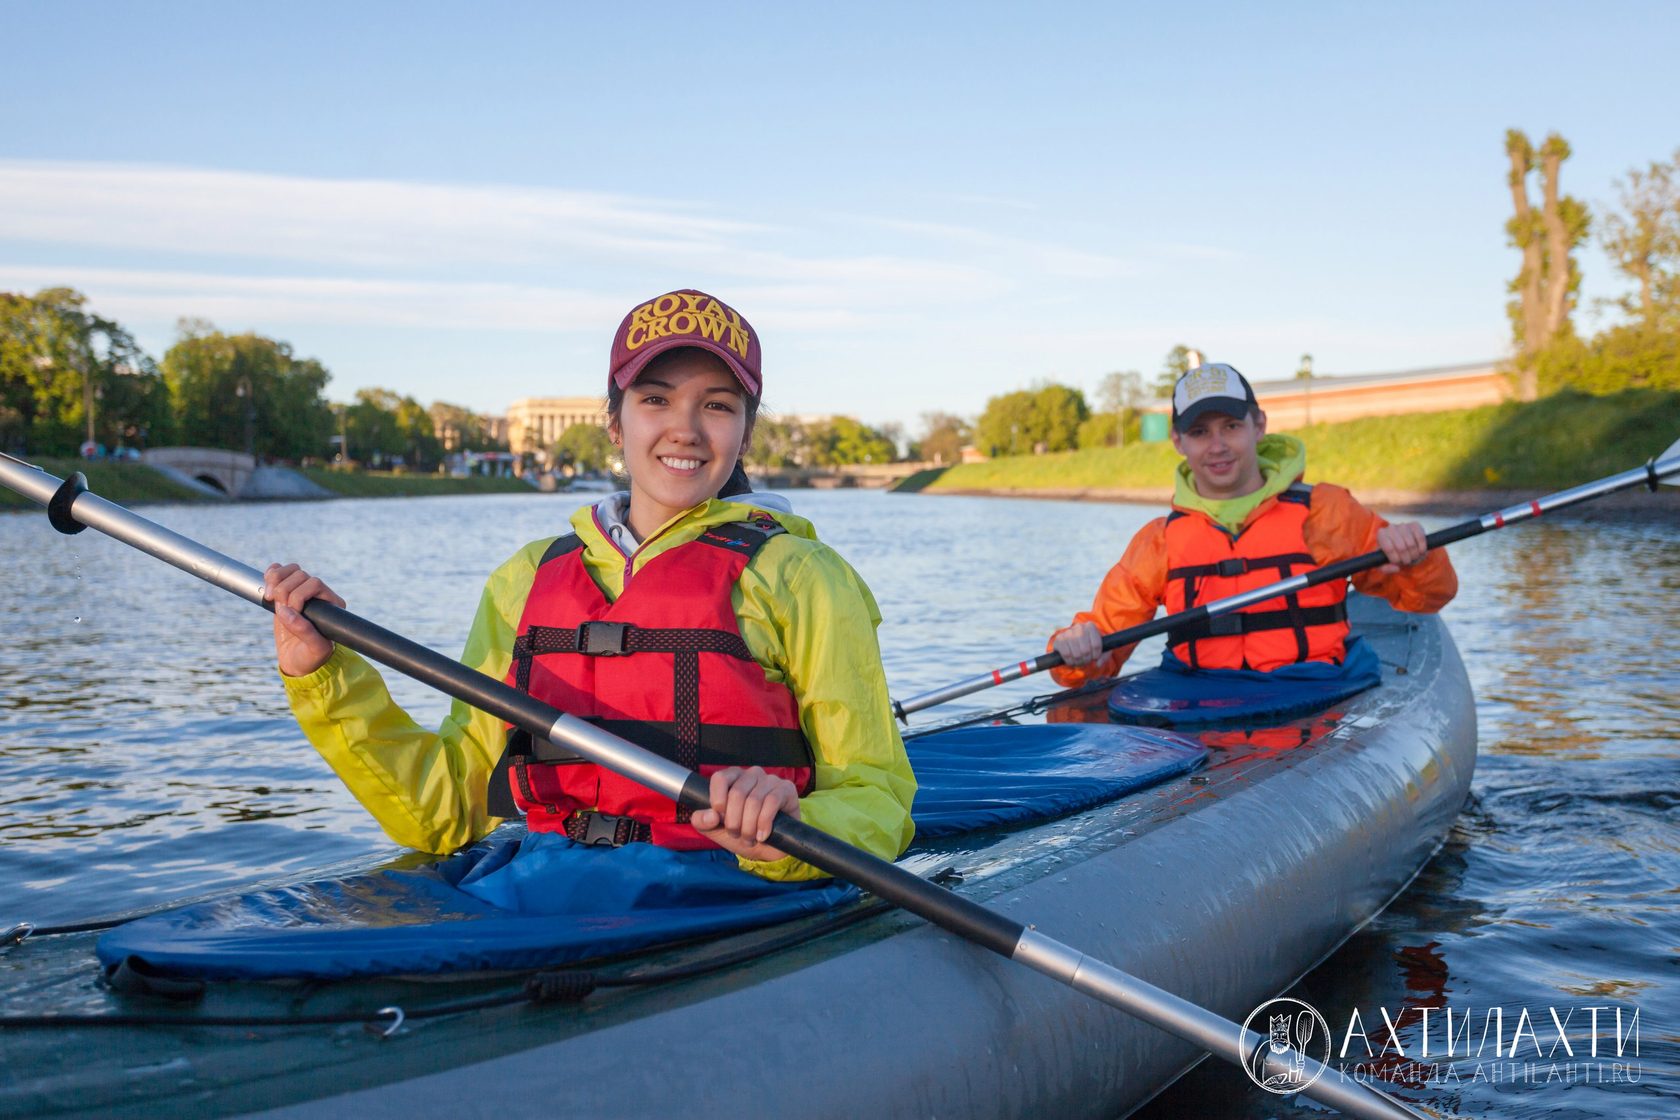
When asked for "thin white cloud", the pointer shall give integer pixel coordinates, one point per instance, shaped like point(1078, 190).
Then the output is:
point(361, 223)
point(257, 223)
point(236, 301)
point(1051, 260)
point(1188, 251)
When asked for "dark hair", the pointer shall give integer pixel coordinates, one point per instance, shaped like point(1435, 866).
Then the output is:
point(737, 482)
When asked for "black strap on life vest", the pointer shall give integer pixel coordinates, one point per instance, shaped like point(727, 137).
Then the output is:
point(1240, 565)
point(1293, 618)
point(1249, 622)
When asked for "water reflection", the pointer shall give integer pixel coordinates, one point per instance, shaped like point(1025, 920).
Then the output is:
point(147, 754)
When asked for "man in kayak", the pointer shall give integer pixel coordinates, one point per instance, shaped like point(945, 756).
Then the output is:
point(685, 615)
point(1242, 519)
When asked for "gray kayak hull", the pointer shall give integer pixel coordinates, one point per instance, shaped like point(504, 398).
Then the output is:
point(1223, 887)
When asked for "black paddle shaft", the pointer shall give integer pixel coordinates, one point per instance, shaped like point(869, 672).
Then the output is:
point(1330, 573)
point(1341, 569)
point(1653, 472)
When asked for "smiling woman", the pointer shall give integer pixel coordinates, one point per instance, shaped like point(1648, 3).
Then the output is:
point(689, 615)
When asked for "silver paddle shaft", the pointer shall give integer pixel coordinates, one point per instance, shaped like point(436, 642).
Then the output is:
point(207, 564)
point(1654, 472)
point(1211, 1032)
point(130, 528)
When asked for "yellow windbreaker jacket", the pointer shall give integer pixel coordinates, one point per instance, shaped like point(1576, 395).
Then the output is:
point(805, 615)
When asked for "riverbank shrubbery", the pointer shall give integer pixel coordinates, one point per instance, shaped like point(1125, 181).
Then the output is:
point(1554, 442)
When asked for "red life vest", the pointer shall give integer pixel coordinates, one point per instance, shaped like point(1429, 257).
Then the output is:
point(663, 665)
point(1206, 562)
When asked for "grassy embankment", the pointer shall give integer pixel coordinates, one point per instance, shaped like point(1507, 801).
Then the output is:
point(1548, 444)
point(128, 483)
point(120, 482)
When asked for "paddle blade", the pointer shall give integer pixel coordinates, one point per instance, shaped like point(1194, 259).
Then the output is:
point(1672, 453)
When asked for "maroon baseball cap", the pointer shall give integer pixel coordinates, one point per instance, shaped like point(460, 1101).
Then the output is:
point(686, 318)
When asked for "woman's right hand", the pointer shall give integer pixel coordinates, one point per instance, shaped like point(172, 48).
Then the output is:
point(298, 646)
point(1079, 644)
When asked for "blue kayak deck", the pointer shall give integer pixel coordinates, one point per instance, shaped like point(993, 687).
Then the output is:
point(534, 901)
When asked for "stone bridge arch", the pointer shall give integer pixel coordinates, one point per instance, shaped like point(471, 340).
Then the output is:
point(227, 471)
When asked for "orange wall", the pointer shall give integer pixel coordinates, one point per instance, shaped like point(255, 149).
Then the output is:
point(1327, 405)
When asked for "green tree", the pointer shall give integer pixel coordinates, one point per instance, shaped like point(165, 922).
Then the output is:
point(843, 441)
point(1101, 430)
point(466, 428)
point(1176, 365)
point(1642, 239)
point(64, 370)
point(233, 390)
point(584, 447)
point(1005, 426)
point(776, 444)
point(422, 450)
point(1044, 418)
point(1545, 287)
point(1118, 394)
point(943, 438)
point(386, 427)
point(1624, 357)
point(1058, 410)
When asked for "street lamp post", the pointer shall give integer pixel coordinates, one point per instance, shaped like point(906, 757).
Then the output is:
point(91, 394)
point(1305, 374)
point(87, 396)
point(244, 393)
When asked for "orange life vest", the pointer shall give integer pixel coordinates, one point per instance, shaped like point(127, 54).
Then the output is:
point(1207, 562)
point(663, 665)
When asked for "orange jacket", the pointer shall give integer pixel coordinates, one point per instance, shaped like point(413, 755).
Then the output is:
point(1336, 528)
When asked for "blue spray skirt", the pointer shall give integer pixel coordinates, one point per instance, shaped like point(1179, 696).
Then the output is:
point(1174, 695)
point(542, 900)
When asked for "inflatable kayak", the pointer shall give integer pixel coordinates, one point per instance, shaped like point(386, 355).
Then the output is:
point(1219, 851)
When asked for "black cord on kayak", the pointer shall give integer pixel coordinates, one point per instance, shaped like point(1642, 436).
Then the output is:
point(1023, 708)
point(22, 931)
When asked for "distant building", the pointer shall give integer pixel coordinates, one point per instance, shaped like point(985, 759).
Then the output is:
point(534, 423)
point(1295, 402)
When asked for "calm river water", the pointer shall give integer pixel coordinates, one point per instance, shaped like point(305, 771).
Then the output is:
point(146, 753)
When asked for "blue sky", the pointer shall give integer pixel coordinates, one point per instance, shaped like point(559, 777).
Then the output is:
point(918, 206)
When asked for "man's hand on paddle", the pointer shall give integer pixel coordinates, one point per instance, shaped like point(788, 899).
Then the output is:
point(744, 804)
point(300, 648)
point(1079, 644)
point(1404, 545)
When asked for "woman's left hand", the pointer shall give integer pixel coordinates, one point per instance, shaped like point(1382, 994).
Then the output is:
point(744, 805)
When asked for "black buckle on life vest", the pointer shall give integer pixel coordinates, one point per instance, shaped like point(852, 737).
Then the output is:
point(602, 830)
point(1226, 625)
point(1234, 566)
point(602, 639)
